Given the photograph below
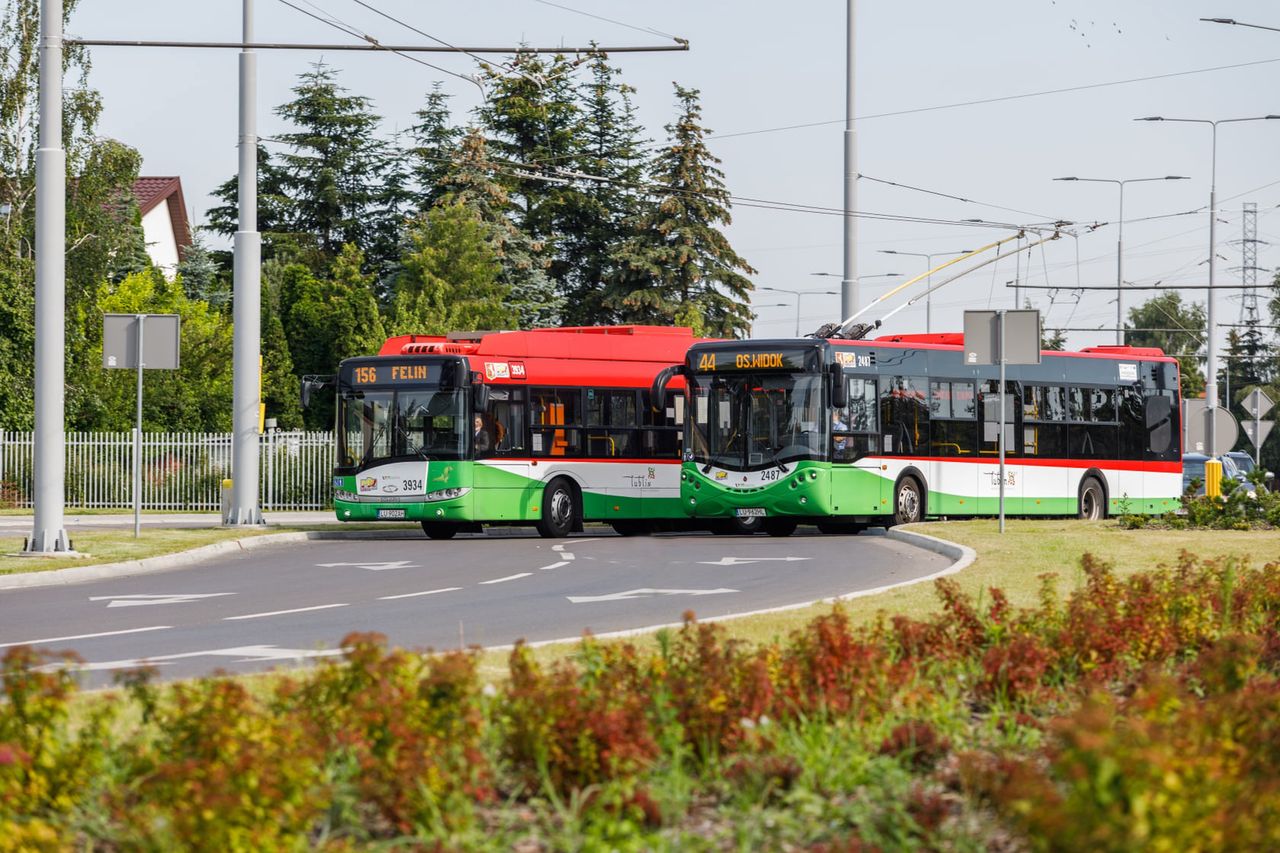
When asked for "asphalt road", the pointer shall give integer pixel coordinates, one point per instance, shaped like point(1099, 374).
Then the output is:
point(281, 605)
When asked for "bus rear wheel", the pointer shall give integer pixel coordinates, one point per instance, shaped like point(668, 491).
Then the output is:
point(780, 526)
point(908, 503)
point(1092, 501)
point(560, 509)
point(439, 530)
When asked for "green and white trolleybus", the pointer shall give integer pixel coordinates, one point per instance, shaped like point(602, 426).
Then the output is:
point(850, 433)
point(550, 427)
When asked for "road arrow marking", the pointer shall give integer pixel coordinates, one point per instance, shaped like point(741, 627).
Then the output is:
point(644, 593)
point(738, 561)
point(141, 600)
point(374, 567)
point(507, 578)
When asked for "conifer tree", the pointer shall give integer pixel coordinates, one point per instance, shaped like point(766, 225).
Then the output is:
point(677, 254)
point(611, 155)
point(434, 144)
point(449, 278)
point(280, 384)
point(1168, 311)
point(201, 276)
point(273, 208)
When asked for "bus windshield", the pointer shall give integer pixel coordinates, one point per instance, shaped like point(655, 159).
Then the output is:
point(749, 421)
point(423, 423)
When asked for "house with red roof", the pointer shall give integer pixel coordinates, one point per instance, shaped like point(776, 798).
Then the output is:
point(165, 226)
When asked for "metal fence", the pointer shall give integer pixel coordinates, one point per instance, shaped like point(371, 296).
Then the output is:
point(180, 471)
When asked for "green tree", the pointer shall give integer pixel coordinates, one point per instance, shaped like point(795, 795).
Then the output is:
point(449, 277)
point(523, 268)
point(280, 384)
point(1147, 327)
point(1053, 339)
point(201, 275)
point(596, 226)
point(196, 396)
point(434, 145)
point(273, 209)
point(327, 320)
point(677, 254)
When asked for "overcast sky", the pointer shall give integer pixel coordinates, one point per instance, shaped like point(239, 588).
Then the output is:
point(768, 65)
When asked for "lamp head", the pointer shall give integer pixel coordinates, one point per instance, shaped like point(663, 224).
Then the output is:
point(1150, 118)
point(1067, 179)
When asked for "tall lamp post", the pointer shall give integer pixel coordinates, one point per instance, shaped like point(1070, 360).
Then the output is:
point(1120, 182)
point(928, 299)
point(1211, 381)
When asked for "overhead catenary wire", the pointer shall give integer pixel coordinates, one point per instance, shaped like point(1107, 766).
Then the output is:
point(649, 30)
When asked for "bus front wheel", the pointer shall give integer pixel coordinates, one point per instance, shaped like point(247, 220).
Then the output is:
point(439, 530)
point(908, 503)
point(1092, 502)
point(559, 509)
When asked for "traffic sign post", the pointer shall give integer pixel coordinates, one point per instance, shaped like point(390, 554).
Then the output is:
point(1195, 423)
point(130, 343)
point(1002, 337)
point(1257, 404)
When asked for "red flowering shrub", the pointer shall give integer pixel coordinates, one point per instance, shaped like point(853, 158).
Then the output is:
point(917, 742)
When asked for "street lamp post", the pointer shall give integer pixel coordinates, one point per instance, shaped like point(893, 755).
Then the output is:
point(928, 298)
point(798, 294)
point(1211, 368)
point(1120, 238)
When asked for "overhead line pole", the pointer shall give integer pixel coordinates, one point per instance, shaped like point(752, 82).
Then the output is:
point(49, 461)
point(850, 297)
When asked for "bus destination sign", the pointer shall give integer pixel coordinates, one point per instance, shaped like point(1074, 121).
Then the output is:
point(722, 360)
point(393, 374)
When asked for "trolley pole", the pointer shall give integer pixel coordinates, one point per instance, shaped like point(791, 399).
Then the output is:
point(48, 534)
point(247, 311)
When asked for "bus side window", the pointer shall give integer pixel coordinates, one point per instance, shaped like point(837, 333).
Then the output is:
point(952, 422)
point(663, 432)
point(1158, 418)
point(507, 419)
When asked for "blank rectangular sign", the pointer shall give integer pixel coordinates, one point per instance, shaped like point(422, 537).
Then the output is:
point(1021, 337)
point(160, 341)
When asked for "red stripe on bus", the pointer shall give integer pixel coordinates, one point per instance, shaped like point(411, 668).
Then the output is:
point(1113, 464)
point(578, 459)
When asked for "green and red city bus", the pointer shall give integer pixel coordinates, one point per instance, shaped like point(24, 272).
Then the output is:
point(850, 433)
point(550, 427)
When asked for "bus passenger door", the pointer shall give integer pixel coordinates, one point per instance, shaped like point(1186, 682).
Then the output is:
point(857, 480)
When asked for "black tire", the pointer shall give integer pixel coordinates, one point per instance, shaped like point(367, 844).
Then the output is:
point(908, 502)
point(841, 528)
point(1092, 505)
point(560, 509)
point(631, 527)
point(439, 530)
point(780, 526)
point(738, 526)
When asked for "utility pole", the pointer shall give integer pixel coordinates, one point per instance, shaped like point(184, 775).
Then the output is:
point(48, 535)
point(850, 298)
point(247, 293)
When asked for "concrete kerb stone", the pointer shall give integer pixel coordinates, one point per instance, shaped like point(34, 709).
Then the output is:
point(165, 562)
point(961, 556)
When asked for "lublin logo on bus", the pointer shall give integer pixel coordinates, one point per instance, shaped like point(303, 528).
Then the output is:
point(444, 475)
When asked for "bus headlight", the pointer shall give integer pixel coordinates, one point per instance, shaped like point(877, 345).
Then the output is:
point(446, 494)
point(344, 496)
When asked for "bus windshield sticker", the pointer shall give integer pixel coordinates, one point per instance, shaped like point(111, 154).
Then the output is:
point(1129, 371)
point(537, 442)
point(855, 359)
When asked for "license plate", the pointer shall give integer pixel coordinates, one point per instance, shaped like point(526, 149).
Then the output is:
point(750, 512)
point(390, 513)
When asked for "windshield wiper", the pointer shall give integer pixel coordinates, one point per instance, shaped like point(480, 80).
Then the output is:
point(773, 454)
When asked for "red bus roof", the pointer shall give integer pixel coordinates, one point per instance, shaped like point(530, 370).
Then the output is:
point(599, 343)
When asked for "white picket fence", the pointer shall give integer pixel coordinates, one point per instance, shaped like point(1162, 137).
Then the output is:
point(180, 471)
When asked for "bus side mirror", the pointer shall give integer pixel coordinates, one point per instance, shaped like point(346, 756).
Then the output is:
point(839, 388)
point(480, 397)
point(313, 383)
point(658, 390)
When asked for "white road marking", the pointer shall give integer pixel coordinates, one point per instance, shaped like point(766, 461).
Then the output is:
point(568, 556)
point(374, 566)
point(142, 600)
point(507, 578)
point(554, 565)
point(86, 636)
point(738, 561)
point(413, 594)
point(244, 654)
point(644, 593)
point(282, 612)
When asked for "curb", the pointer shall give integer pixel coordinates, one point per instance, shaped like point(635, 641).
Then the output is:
point(165, 562)
point(961, 556)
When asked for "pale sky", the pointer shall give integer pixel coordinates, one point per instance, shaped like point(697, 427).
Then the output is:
point(768, 65)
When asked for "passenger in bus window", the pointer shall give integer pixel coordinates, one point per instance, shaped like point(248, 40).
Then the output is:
point(483, 444)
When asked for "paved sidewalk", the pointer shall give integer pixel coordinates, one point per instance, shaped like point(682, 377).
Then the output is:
point(169, 519)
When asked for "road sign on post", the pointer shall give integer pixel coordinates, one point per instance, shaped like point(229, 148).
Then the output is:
point(1195, 423)
point(1002, 337)
point(1257, 404)
point(138, 342)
